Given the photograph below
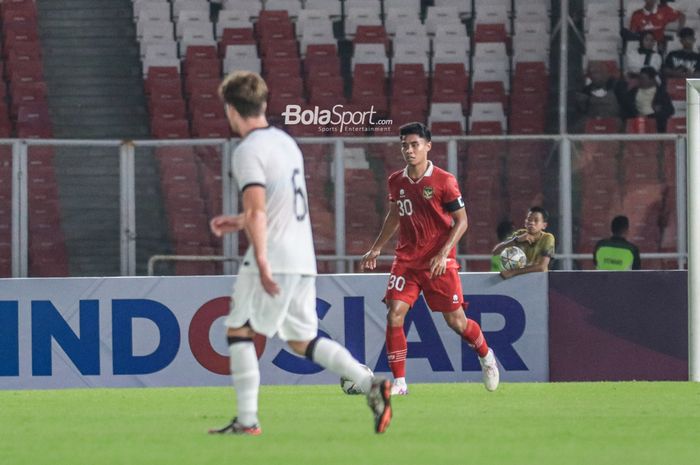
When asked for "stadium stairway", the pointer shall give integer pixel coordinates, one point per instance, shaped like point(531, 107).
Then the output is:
point(92, 69)
point(93, 73)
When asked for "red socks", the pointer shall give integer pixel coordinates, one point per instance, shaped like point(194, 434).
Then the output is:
point(475, 338)
point(396, 350)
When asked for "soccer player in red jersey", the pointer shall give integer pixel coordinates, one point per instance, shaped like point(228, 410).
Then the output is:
point(427, 209)
point(653, 17)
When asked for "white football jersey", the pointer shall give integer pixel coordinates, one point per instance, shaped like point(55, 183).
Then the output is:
point(270, 158)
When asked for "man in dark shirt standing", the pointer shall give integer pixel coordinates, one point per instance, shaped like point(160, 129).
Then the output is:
point(684, 62)
point(617, 253)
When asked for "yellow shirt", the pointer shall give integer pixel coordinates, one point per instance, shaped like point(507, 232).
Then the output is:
point(543, 247)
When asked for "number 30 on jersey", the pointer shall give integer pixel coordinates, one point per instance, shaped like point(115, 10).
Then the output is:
point(405, 207)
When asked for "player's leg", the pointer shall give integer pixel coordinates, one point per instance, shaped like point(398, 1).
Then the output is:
point(334, 357)
point(471, 332)
point(401, 293)
point(396, 345)
point(245, 374)
point(444, 294)
point(243, 360)
point(300, 329)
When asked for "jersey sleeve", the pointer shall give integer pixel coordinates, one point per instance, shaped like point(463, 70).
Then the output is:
point(671, 15)
point(452, 197)
point(390, 191)
point(248, 168)
point(548, 246)
point(636, 22)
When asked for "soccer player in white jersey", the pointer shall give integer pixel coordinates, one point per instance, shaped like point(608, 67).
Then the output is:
point(275, 292)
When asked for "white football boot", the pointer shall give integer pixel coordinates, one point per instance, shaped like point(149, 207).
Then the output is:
point(489, 369)
point(399, 387)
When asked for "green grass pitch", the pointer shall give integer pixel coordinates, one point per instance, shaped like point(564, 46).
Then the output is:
point(547, 423)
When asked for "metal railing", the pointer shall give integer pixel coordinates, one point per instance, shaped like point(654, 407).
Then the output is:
point(562, 146)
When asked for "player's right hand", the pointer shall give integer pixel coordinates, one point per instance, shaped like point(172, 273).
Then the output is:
point(222, 224)
point(369, 260)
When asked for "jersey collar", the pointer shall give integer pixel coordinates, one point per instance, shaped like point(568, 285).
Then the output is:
point(428, 172)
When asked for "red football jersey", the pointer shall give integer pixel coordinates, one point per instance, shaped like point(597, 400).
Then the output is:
point(424, 209)
point(643, 20)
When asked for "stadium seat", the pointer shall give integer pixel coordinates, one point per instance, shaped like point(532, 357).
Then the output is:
point(356, 16)
point(447, 112)
point(436, 15)
point(487, 112)
point(170, 129)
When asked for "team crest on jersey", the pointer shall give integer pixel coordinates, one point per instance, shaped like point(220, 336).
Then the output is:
point(402, 193)
point(427, 193)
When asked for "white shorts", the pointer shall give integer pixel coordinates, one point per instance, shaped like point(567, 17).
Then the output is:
point(291, 314)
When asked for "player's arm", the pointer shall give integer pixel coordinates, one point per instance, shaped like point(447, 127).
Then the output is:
point(389, 227)
point(255, 223)
point(438, 264)
point(498, 248)
point(540, 264)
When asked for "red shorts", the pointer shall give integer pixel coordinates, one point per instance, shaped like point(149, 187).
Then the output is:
point(442, 293)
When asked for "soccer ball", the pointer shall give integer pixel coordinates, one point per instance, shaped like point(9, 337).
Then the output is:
point(513, 258)
point(349, 386)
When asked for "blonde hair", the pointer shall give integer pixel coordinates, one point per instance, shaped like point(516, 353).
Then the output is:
point(245, 91)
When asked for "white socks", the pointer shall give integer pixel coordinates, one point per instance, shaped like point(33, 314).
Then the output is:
point(333, 356)
point(246, 380)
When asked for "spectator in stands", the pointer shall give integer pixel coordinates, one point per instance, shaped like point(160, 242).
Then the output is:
point(617, 253)
point(649, 99)
point(684, 62)
point(537, 243)
point(645, 54)
point(504, 229)
point(602, 96)
point(653, 17)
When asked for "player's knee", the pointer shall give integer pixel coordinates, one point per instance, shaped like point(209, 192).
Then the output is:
point(299, 347)
point(456, 321)
point(395, 317)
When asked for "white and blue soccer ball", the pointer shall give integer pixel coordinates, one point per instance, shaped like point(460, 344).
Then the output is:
point(349, 386)
point(513, 258)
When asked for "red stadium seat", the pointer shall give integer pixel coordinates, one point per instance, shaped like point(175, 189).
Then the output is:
point(236, 36)
point(602, 125)
point(486, 128)
point(490, 33)
point(677, 125)
point(489, 91)
point(676, 88)
point(282, 48)
point(204, 68)
point(170, 129)
point(640, 125)
point(446, 128)
point(271, 20)
point(371, 35)
point(270, 63)
point(162, 72)
point(211, 128)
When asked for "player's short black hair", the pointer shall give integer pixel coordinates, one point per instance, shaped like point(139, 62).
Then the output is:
point(541, 211)
point(686, 32)
point(416, 128)
point(619, 225)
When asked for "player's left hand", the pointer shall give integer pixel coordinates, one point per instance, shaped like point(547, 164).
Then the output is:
point(438, 265)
